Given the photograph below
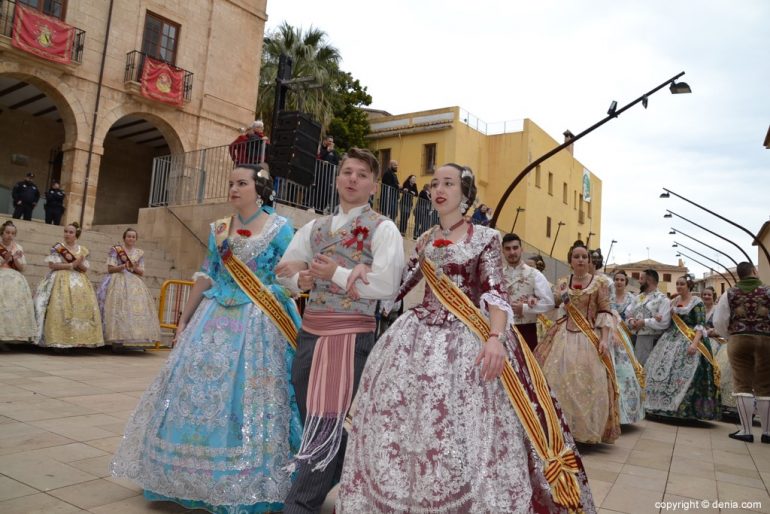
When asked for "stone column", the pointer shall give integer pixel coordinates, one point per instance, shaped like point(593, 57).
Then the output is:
point(73, 178)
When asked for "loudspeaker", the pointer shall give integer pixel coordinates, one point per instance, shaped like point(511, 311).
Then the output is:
point(294, 147)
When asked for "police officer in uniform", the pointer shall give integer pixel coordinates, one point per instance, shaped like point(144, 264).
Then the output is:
point(25, 196)
point(54, 204)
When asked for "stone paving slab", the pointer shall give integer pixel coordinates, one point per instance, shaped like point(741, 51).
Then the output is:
point(62, 413)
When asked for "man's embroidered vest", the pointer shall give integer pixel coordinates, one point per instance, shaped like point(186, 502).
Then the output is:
point(350, 245)
point(749, 312)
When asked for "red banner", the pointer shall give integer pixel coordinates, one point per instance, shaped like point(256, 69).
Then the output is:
point(162, 82)
point(42, 35)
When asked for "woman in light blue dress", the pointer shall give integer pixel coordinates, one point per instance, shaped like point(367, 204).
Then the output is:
point(631, 400)
point(218, 427)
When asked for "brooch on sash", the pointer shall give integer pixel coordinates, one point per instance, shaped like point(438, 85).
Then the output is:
point(357, 237)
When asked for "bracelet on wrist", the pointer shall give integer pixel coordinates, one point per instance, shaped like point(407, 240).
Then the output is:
point(494, 334)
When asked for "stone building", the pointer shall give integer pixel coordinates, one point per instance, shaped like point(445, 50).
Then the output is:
point(667, 273)
point(87, 115)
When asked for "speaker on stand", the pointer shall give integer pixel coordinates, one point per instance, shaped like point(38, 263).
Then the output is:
point(293, 147)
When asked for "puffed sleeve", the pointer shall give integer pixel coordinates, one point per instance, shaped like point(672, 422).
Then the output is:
point(491, 281)
point(139, 264)
point(210, 266)
point(282, 239)
point(699, 316)
point(22, 259)
point(54, 257)
point(603, 310)
point(112, 257)
point(85, 253)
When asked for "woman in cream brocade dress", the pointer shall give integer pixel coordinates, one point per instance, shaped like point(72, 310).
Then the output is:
point(17, 314)
point(127, 307)
point(65, 302)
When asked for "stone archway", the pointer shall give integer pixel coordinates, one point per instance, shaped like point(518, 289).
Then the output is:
point(38, 122)
point(128, 148)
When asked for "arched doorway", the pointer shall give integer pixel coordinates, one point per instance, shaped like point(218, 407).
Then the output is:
point(34, 123)
point(131, 144)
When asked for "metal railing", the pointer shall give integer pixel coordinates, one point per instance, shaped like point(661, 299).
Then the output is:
point(490, 129)
point(173, 297)
point(7, 17)
point(135, 64)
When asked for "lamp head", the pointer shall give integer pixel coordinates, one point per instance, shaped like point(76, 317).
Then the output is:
point(665, 195)
point(675, 245)
point(678, 88)
point(520, 209)
point(613, 108)
point(678, 254)
point(672, 232)
point(613, 241)
point(667, 215)
point(645, 101)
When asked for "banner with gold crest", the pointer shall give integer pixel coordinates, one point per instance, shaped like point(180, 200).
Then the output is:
point(560, 465)
point(42, 35)
point(252, 286)
point(162, 81)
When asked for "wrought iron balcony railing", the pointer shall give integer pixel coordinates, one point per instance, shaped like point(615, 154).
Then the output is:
point(135, 65)
point(7, 17)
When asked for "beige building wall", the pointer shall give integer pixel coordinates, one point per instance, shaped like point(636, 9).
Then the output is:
point(220, 42)
point(763, 267)
point(496, 160)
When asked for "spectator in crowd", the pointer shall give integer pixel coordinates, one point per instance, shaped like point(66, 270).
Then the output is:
point(389, 195)
point(238, 147)
point(328, 153)
point(25, 196)
point(480, 216)
point(408, 194)
point(54, 204)
point(422, 213)
point(257, 143)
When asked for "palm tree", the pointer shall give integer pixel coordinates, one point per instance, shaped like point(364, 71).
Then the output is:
point(312, 56)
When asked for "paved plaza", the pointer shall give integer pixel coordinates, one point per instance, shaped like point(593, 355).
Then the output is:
point(62, 415)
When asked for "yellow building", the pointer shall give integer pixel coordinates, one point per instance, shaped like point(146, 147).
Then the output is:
point(550, 195)
point(763, 267)
point(82, 113)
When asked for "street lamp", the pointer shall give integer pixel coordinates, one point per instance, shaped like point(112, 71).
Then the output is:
point(558, 228)
point(707, 258)
point(588, 241)
point(670, 213)
point(572, 140)
point(668, 194)
point(518, 210)
point(676, 231)
point(608, 254)
point(712, 270)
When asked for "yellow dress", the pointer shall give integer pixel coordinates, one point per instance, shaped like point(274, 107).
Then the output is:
point(128, 309)
point(67, 311)
point(17, 315)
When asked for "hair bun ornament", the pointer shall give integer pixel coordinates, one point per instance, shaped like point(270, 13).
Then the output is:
point(467, 173)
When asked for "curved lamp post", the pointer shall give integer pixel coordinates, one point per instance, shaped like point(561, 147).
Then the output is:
point(608, 254)
point(680, 254)
point(676, 245)
point(675, 88)
point(669, 214)
point(558, 228)
point(754, 237)
point(677, 231)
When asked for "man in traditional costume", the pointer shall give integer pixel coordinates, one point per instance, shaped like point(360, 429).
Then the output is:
point(528, 289)
point(648, 315)
point(348, 261)
point(743, 316)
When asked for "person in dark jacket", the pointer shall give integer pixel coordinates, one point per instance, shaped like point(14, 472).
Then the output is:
point(54, 204)
point(408, 195)
point(25, 196)
point(389, 195)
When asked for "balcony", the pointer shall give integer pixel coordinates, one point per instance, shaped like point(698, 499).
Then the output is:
point(135, 66)
point(7, 18)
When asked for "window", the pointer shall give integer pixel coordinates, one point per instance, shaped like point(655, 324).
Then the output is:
point(160, 38)
point(635, 275)
point(550, 183)
point(548, 226)
point(667, 277)
point(384, 156)
point(429, 158)
point(564, 193)
point(55, 8)
point(574, 200)
point(722, 288)
point(537, 176)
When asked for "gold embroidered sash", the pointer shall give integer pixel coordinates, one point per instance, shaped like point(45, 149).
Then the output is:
point(625, 337)
point(252, 286)
point(689, 333)
point(62, 250)
point(559, 462)
point(123, 256)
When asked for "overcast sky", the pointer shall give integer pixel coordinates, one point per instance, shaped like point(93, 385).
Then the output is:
point(561, 63)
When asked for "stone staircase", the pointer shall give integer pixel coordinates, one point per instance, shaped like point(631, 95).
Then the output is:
point(37, 238)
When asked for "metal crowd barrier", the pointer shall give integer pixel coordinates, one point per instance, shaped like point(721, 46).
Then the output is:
point(173, 297)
